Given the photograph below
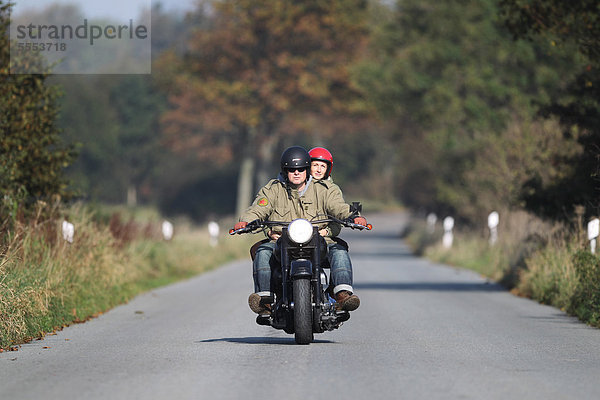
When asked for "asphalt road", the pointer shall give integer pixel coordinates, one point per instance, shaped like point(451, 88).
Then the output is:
point(423, 331)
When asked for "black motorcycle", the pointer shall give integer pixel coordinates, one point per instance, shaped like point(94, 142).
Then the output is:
point(303, 303)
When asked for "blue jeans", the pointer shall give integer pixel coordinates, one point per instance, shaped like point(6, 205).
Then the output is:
point(262, 268)
point(341, 267)
point(339, 261)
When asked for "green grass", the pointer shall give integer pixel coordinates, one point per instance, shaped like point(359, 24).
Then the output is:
point(47, 283)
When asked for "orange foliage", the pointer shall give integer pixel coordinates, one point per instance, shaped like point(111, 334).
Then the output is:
point(260, 62)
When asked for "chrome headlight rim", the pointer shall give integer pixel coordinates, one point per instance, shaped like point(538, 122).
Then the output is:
point(300, 231)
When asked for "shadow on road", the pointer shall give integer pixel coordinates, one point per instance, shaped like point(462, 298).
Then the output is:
point(382, 254)
point(259, 340)
point(432, 286)
point(568, 321)
point(372, 236)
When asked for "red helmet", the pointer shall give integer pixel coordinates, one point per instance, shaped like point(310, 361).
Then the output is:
point(322, 154)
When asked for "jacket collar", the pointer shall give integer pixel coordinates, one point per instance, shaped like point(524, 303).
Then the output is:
point(284, 182)
point(325, 182)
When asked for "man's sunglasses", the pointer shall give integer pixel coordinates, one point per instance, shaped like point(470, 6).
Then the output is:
point(302, 169)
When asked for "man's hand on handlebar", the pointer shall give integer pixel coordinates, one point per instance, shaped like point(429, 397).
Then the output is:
point(240, 225)
point(360, 221)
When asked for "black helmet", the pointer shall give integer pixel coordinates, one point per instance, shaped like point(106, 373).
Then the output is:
point(295, 157)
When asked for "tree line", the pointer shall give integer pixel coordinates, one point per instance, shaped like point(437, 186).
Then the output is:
point(455, 107)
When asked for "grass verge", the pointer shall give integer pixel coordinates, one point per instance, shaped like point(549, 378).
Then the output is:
point(549, 263)
point(47, 283)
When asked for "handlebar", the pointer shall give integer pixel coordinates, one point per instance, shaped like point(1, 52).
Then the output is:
point(257, 224)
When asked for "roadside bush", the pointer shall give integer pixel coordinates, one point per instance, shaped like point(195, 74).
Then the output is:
point(586, 299)
point(549, 275)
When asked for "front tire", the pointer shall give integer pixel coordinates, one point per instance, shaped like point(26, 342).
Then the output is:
point(302, 311)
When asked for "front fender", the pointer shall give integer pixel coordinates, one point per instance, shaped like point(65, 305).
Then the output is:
point(301, 269)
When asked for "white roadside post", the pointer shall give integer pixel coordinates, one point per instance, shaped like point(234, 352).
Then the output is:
point(68, 231)
point(448, 238)
point(493, 220)
point(213, 232)
point(431, 220)
point(593, 229)
point(167, 230)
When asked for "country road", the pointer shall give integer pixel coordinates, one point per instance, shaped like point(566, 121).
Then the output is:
point(423, 331)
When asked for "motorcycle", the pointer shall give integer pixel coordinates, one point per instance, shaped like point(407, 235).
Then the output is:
point(302, 303)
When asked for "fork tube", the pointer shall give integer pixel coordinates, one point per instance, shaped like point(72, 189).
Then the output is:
point(317, 268)
point(285, 270)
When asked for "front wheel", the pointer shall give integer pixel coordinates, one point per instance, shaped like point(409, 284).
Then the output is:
point(302, 311)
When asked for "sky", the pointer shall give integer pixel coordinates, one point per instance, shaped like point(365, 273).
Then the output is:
point(105, 8)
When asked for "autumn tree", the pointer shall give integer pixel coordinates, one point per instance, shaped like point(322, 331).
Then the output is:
point(257, 63)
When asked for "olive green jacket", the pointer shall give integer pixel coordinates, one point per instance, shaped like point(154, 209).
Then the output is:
point(333, 228)
point(278, 202)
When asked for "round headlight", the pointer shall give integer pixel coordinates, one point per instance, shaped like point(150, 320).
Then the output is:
point(300, 231)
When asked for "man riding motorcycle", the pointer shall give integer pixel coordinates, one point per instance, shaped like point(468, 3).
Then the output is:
point(294, 194)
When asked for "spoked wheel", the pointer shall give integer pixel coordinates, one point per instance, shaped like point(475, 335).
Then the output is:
point(302, 312)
